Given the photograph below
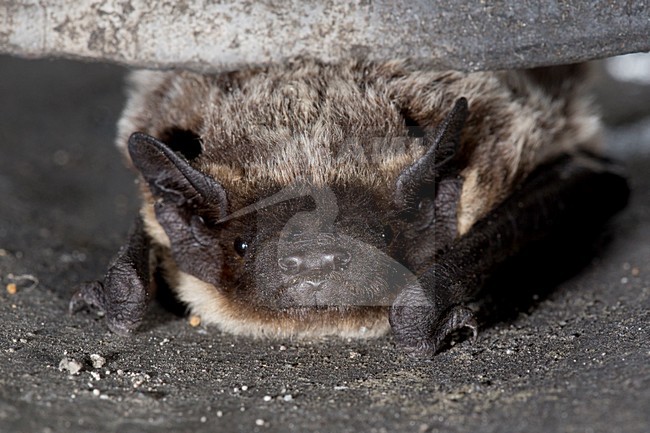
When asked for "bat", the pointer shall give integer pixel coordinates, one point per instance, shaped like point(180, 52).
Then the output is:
point(354, 199)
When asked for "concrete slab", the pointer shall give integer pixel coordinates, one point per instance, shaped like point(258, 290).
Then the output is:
point(223, 35)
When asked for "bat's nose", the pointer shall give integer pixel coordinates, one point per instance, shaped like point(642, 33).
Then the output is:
point(323, 260)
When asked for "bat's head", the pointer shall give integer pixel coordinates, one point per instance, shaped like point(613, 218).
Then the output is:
point(304, 255)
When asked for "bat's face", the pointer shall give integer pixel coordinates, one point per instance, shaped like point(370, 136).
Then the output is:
point(307, 248)
point(326, 247)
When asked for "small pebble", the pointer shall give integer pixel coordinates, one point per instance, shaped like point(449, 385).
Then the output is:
point(195, 321)
point(203, 419)
point(61, 157)
point(267, 398)
point(96, 392)
point(259, 422)
point(72, 366)
point(138, 379)
point(244, 388)
point(635, 272)
point(98, 361)
point(12, 288)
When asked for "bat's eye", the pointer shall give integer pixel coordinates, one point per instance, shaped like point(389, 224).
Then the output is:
point(387, 234)
point(241, 246)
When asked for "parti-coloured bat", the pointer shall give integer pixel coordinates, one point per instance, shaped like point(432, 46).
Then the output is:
point(308, 199)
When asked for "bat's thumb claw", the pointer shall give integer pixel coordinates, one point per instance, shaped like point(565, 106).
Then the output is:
point(90, 294)
point(458, 319)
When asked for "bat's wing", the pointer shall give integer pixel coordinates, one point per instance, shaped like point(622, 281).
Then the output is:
point(124, 294)
point(572, 191)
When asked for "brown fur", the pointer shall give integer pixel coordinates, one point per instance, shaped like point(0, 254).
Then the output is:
point(268, 126)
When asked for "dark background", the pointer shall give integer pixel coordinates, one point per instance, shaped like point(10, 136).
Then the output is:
point(572, 357)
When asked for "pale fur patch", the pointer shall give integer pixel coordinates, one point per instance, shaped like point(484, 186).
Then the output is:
point(152, 226)
point(214, 308)
point(319, 171)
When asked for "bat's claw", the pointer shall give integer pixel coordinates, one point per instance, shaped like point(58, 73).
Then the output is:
point(458, 319)
point(89, 295)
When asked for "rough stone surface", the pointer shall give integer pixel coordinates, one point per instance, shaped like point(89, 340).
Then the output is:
point(575, 360)
point(223, 35)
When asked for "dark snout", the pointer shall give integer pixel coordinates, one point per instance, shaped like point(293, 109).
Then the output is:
point(326, 270)
point(308, 267)
point(314, 259)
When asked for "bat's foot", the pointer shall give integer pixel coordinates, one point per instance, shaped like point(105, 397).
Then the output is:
point(420, 330)
point(412, 330)
point(121, 318)
point(124, 294)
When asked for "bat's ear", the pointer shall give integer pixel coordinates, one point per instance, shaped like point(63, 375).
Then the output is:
point(428, 191)
point(186, 198)
point(172, 178)
point(441, 160)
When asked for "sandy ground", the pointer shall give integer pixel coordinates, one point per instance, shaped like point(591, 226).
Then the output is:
point(572, 358)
